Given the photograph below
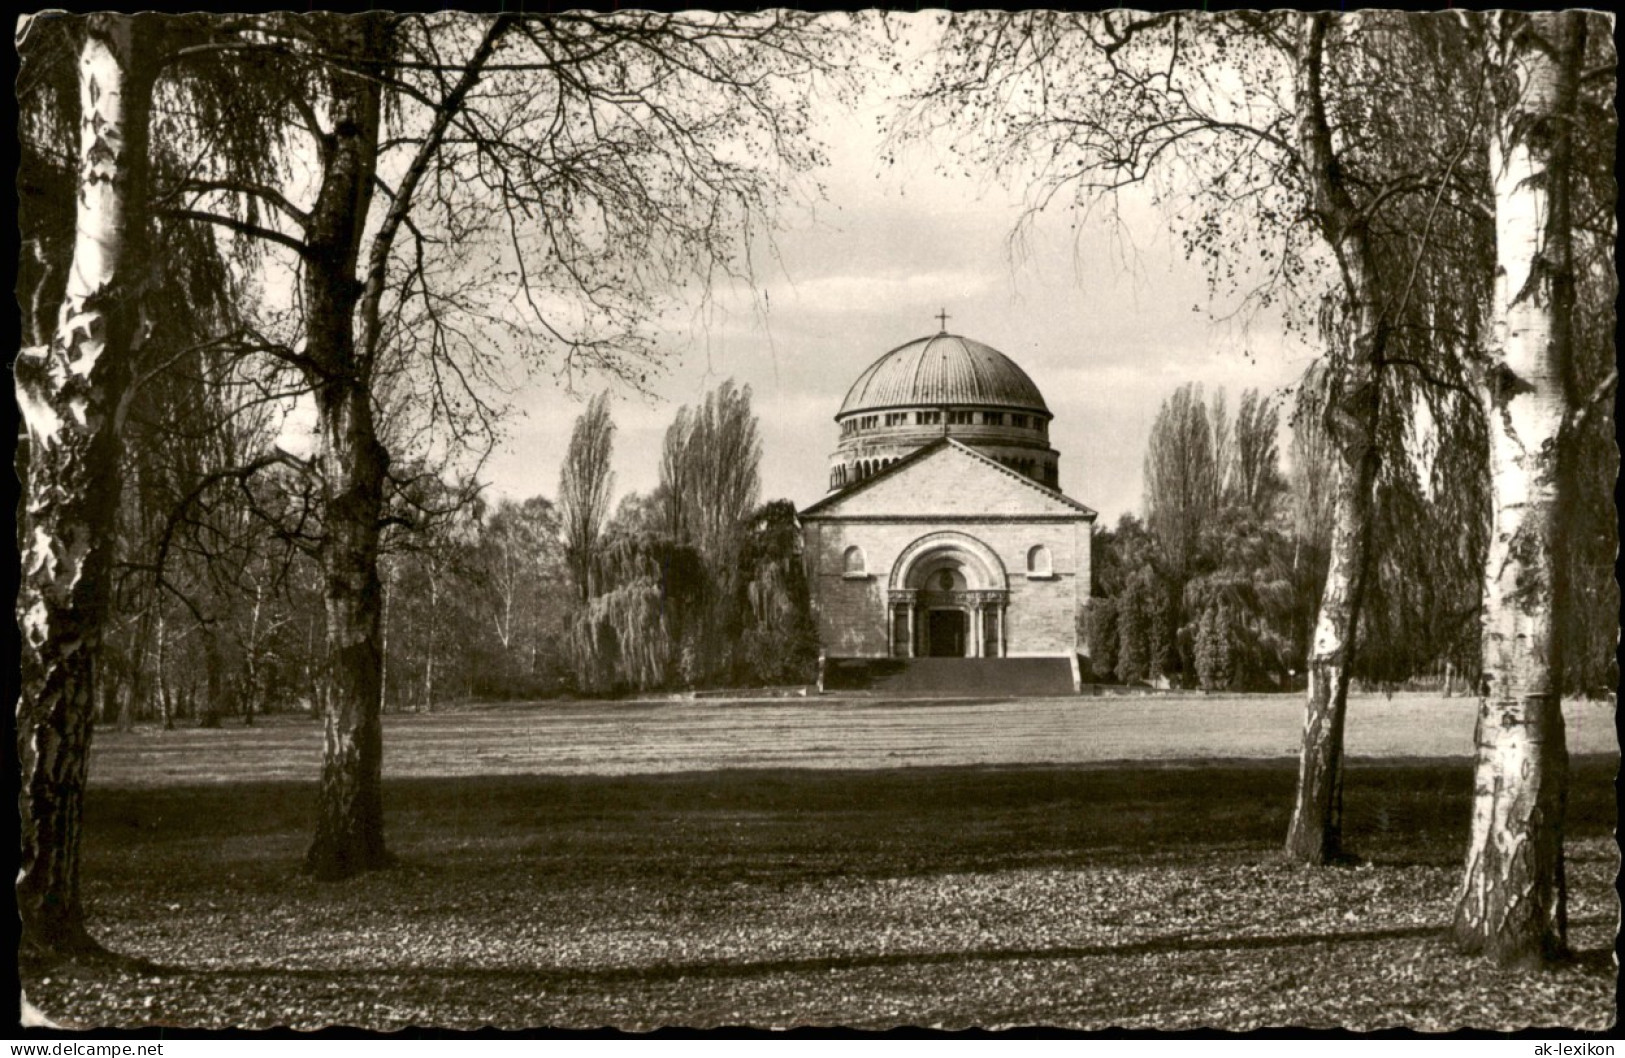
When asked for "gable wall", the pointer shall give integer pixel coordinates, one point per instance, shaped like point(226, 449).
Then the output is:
point(1042, 614)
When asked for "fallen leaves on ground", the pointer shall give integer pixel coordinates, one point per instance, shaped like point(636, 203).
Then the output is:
point(692, 903)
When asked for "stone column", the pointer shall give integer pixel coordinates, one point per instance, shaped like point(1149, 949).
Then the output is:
point(902, 603)
point(976, 628)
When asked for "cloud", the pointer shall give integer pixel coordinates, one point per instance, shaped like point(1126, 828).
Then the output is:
point(871, 292)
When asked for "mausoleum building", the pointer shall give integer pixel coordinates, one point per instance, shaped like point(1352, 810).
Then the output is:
point(945, 533)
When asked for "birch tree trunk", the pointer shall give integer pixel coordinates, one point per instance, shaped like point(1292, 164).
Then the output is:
point(352, 464)
point(71, 395)
point(350, 826)
point(160, 671)
point(1316, 831)
point(251, 659)
point(433, 644)
point(1512, 903)
point(387, 587)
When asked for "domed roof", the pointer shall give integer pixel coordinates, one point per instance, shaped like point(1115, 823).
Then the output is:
point(943, 369)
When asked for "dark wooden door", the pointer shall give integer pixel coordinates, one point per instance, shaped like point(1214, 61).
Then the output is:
point(949, 630)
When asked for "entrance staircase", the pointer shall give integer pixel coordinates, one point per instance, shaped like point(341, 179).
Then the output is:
point(949, 677)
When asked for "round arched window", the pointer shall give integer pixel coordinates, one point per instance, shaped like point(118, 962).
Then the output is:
point(852, 562)
point(1039, 563)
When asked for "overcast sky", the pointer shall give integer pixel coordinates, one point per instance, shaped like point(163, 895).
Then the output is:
point(1106, 329)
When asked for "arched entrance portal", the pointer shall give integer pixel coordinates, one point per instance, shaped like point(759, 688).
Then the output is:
point(947, 596)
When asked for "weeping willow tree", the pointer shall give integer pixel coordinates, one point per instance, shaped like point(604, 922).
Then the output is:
point(1421, 605)
point(622, 639)
point(628, 637)
point(709, 484)
point(1245, 609)
point(1590, 619)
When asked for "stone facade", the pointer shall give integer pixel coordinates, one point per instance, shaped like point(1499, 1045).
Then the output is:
point(948, 552)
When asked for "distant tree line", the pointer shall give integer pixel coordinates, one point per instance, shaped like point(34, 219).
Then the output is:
point(694, 584)
point(472, 609)
point(1217, 586)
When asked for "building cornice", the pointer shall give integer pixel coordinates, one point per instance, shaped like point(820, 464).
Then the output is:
point(906, 519)
point(940, 443)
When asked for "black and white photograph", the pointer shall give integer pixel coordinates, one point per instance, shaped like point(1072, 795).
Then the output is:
point(860, 521)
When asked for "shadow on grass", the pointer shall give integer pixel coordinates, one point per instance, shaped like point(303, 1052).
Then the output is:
point(1591, 962)
point(791, 825)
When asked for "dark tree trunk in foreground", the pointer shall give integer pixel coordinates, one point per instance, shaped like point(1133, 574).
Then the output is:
point(343, 340)
point(1512, 904)
point(350, 824)
point(71, 396)
point(352, 464)
point(1316, 832)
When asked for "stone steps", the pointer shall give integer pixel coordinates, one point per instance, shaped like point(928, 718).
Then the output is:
point(949, 677)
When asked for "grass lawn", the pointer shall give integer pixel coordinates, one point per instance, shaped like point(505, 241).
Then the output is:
point(1084, 894)
point(621, 738)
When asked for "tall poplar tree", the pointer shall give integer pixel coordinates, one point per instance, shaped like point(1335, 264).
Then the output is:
point(585, 485)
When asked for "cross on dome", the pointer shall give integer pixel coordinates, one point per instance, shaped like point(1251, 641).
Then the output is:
point(942, 320)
